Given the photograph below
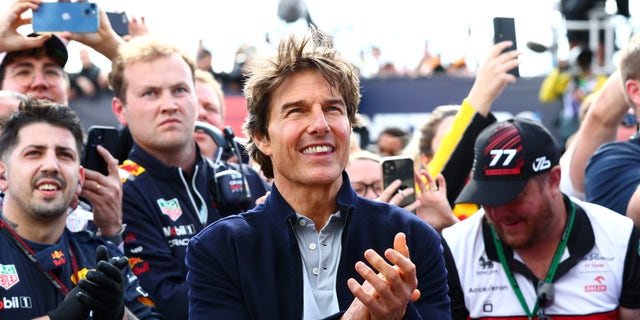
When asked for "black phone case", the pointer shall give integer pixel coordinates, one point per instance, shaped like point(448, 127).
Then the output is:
point(399, 167)
point(505, 29)
point(119, 23)
point(98, 135)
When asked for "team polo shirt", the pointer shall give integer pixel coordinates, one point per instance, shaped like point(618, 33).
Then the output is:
point(598, 271)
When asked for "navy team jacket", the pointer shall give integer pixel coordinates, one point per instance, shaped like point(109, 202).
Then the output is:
point(26, 293)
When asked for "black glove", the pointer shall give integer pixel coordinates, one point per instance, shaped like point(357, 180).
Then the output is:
point(70, 308)
point(103, 288)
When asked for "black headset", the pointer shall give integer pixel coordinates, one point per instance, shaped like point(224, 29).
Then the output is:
point(226, 141)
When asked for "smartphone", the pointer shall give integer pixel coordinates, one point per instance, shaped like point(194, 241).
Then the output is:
point(66, 16)
point(399, 167)
point(119, 23)
point(505, 29)
point(107, 137)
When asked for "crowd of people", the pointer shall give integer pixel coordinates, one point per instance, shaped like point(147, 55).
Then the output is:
point(183, 226)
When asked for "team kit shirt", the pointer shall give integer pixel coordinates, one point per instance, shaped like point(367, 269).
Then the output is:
point(597, 273)
point(163, 207)
point(26, 292)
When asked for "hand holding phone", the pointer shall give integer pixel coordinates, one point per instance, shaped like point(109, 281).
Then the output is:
point(504, 29)
point(66, 16)
point(107, 137)
point(399, 167)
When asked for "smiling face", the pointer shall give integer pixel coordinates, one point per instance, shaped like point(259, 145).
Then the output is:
point(160, 105)
point(308, 132)
point(42, 171)
point(522, 222)
point(55, 89)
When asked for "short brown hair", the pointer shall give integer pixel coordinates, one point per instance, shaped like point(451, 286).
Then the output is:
point(313, 51)
point(33, 111)
point(139, 49)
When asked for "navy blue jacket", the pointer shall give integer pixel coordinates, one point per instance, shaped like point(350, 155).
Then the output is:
point(26, 293)
point(160, 208)
point(248, 266)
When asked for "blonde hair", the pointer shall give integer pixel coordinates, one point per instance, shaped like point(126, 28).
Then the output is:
point(141, 49)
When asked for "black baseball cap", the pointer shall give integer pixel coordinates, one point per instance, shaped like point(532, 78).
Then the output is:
point(55, 48)
point(507, 154)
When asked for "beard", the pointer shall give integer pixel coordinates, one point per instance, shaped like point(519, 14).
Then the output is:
point(536, 227)
point(48, 210)
point(43, 209)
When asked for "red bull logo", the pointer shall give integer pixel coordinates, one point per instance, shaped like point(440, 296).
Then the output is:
point(58, 258)
point(138, 265)
point(132, 168)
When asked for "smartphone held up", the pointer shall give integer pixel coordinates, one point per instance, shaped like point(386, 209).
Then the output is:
point(504, 29)
point(106, 137)
point(399, 167)
point(66, 16)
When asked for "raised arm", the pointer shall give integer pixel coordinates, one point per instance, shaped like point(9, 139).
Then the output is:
point(10, 20)
point(599, 126)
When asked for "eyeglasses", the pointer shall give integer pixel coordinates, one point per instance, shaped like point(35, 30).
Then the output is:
point(24, 75)
point(629, 120)
point(361, 187)
point(546, 294)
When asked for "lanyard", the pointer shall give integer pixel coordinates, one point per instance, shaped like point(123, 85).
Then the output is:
point(552, 268)
point(30, 254)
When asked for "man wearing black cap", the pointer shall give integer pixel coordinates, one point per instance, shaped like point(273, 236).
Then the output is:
point(33, 65)
point(531, 251)
point(18, 71)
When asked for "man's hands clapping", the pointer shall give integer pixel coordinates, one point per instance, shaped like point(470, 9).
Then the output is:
point(386, 294)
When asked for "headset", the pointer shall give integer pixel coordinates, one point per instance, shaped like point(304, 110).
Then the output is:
point(230, 186)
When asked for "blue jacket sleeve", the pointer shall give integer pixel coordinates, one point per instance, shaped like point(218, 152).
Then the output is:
point(213, 290)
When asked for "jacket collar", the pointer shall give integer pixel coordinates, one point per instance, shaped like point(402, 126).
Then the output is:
point(346, 200)
point(155, 167)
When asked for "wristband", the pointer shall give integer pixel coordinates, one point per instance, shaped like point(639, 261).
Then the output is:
point(116, 238)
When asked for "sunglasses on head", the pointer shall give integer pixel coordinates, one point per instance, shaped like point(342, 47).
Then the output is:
point(629, 120)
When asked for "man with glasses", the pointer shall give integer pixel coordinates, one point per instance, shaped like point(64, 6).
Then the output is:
point(37, 72)
point(365, 174)
point(531, 251)
point(33, 65)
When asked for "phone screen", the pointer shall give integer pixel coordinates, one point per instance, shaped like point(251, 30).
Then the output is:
point(399, 167)
point(66, 16)
point(505, 29)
